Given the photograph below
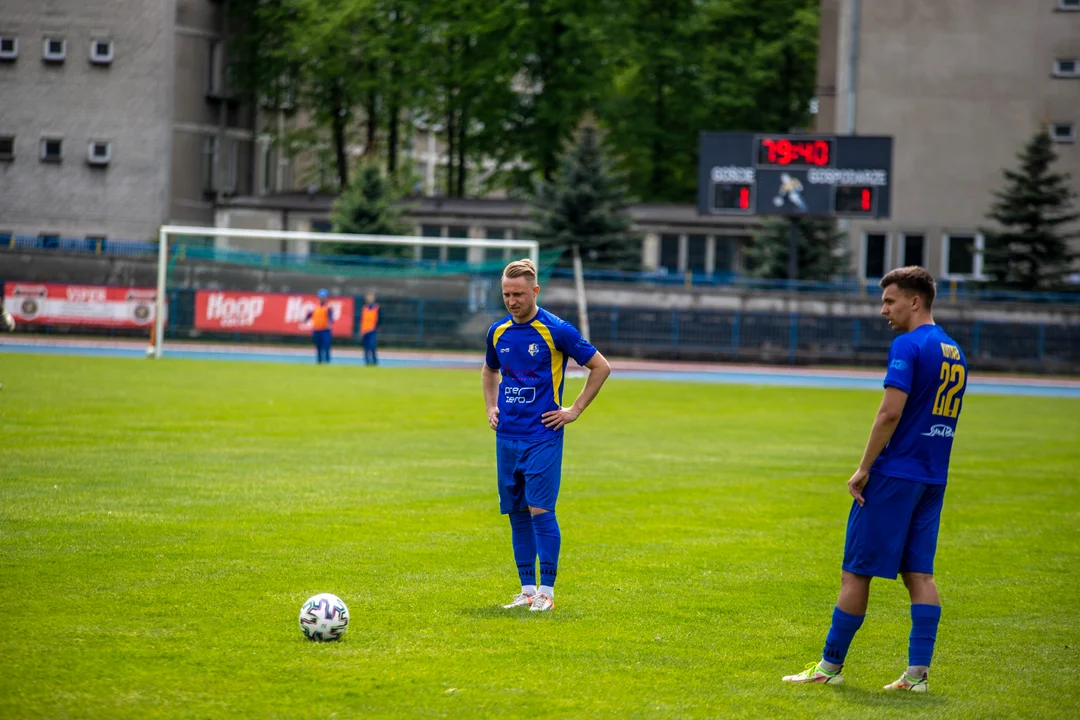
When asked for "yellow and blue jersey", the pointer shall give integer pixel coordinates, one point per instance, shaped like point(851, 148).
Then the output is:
point(532, 359)
point(929, 366)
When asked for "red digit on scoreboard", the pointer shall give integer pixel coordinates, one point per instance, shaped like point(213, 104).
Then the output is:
point(744, 198)
point(865, 198)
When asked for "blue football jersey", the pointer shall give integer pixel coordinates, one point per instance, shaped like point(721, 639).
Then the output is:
point(928, 365)
point(532, 359)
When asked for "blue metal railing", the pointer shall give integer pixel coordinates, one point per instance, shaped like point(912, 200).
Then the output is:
point(948, 291)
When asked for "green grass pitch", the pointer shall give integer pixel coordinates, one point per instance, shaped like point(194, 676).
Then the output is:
point(162, 522)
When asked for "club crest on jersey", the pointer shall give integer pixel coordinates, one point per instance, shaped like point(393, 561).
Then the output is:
point(533, 349)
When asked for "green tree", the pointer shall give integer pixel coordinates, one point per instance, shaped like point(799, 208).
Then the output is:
point(584, 207)
point(688, 67)
point(820, 249)
point(1029, 249)
point(367, 208)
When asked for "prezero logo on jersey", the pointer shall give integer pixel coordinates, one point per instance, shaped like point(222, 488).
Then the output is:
point(519, 396)
point(269, 313)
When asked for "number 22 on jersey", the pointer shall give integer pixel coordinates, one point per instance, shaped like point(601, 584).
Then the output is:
point(952, 379)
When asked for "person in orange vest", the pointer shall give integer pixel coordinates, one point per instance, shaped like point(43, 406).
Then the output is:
point(322, 320)
point(369, 323)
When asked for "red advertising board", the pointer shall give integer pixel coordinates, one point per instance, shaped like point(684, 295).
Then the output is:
point(269, 313)
point(88, 305)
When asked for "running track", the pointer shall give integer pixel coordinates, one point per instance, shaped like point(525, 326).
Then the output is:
point(626, 369)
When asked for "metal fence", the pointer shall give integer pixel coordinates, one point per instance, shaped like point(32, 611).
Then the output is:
point(791, 338)
point(949, 290)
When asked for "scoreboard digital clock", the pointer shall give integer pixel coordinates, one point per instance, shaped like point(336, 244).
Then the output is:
point(816, 175)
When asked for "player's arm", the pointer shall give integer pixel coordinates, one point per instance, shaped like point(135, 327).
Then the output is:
point(599, 370)
point(490, 380)
point(885, 422)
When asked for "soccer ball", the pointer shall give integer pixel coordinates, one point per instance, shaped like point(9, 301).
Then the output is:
point(7, 323)
point(324, 617)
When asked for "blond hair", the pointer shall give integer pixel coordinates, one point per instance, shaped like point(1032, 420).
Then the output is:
point(525, 268)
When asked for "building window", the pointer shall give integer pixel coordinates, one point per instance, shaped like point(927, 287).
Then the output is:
point(1068, 5)
point(1066, 68)
point(914, 249)
point(962, 255)
point(101, 51)
point(7, 147)
point(52, 149)
point(875, 253)
point(669, 253)
point(9, 47)
point(1063, 132)
point(725, 254)
point(696, 248)
point(99, 152)
point(55, 50)
point(209, 163)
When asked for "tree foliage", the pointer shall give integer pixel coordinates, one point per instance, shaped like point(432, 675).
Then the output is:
point(504, 83)
point(367, 208)
point(1029, 249)
point(584, 205)
point(820, 249)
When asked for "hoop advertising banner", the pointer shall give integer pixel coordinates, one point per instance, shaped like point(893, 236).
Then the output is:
point(87, 305)
point(269, 313)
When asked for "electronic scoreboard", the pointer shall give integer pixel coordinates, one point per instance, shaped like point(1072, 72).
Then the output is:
point(775, 174)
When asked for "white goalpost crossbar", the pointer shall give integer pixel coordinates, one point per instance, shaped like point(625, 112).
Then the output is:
point(167, 231)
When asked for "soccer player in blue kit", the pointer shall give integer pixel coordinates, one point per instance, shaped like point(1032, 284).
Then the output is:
point(900, 483)
point(522, 379)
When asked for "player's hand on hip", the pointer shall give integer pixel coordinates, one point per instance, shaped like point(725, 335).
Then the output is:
point(555, 419)
point(856, 484)
point(493, 418)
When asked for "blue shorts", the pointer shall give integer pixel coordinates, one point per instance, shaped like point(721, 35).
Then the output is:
point(529, 473)
point(896, 530)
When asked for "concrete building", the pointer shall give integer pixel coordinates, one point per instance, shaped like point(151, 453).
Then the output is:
point(115, 117)
point(962, 86)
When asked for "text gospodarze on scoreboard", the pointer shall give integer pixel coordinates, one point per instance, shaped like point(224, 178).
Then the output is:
point(778, 174)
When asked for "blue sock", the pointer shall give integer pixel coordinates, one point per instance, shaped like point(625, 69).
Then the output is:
point(924, 622)
point(548, 540)
point(842, 632)
point(524, 541)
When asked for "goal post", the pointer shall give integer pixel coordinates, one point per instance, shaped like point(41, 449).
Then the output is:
point(169, 233)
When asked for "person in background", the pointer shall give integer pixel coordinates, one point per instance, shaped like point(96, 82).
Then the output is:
point(369, 324)
point(322, 320)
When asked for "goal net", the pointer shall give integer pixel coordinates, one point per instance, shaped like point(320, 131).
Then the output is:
point(258, 284)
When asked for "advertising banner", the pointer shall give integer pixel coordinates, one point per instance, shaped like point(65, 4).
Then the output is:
point(268, 313)
point(88, 305)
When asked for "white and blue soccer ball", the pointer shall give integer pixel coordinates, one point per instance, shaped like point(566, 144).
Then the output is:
point(324, 617)
point(7, 323)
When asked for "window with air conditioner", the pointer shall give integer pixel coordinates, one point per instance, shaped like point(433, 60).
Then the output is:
point(1066, 68)
point(7, 147)
point(9, 47)
point(962, 256)
point(1063, 132)
point(99, 152)
point(54, 50)
point(101, 51)
point(52, 149)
